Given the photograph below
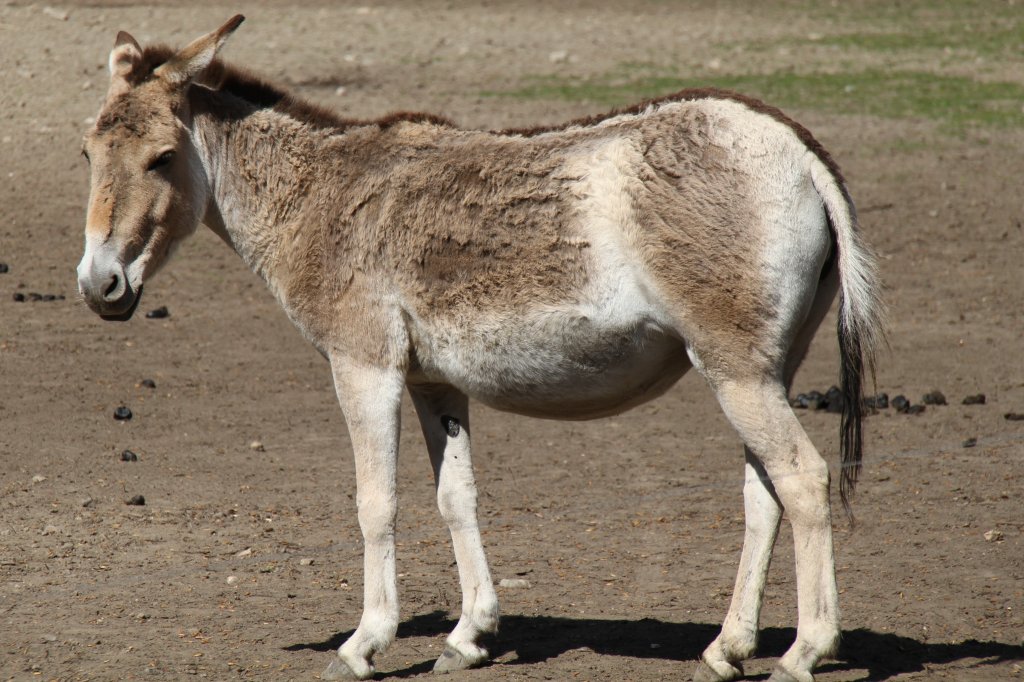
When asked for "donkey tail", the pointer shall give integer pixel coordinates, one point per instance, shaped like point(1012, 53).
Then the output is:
point(861, 326)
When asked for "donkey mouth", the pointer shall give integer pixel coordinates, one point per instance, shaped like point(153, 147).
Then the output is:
point(126, 314)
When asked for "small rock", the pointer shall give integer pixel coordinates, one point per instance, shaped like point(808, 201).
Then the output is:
point(4, 268)
point(129, 456)
point(558, 56)
point(38, 478)
point(51, 530)
point(122, 413)
point(49, 638)
point(900, 403)
point(147, 383)
point(915, 409)
point(244, 553)
point(18, 297)
point(993, 535)
point(136, 501)
point(158, 314)
point(879, 401)
point(54, 13)
point(970, 442)
point(86, 502)
point(834, 400)
point(514, 583)
point(934, 398)
point(232, 580)
point(305, 562)
point(976, 399)
point(1013, 416)
point(257, 446)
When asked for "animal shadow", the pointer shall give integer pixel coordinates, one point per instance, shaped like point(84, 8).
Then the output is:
point(534, 639)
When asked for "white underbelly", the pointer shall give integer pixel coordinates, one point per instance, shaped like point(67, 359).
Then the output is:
point(555, 364)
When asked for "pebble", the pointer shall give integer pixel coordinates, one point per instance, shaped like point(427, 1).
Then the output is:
point(158, 313)
point(38, 478)
point(147, 383)
point(915, 409)
point(136, 501)
point(558, 56)
point(1013, 416)
point(51, 530)
point(232, 580)
point(900, 403)
point(305, 562)
point(879, 401)
point(54, 13)
point(122, 413)
point(257, 446)
point(993, 535)
point(976, 399)
point(934, 398)
point(244, 553)
point(514, 583)
point(86, 502)
point(970, 442)
point(834, 400)
point(129, 456)
point(33, 297)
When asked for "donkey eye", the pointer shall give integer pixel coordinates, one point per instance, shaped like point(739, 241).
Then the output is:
point(162, 160)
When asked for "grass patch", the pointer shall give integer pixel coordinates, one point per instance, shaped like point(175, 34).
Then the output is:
point(956, 102)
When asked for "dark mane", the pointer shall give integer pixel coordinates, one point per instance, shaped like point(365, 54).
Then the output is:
point(255, 90)
point(249, 87)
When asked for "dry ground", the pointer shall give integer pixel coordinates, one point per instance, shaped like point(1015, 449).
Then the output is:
point(627, 529)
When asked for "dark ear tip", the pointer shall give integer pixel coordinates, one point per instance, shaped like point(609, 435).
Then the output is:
point(234, 22)
point(123, 38)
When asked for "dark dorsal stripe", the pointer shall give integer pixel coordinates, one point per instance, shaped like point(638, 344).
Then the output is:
point(263, 94)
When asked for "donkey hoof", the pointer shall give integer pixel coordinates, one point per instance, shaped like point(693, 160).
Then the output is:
point(723, 672)
point(452, 659)
point(338, 669)
point(780, 674)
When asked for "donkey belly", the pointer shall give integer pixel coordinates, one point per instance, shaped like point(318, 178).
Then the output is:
point(556, 366)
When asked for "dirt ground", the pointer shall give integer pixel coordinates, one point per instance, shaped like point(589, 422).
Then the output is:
point(628, 529)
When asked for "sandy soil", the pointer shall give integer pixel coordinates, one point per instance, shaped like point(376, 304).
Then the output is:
point(629, 544)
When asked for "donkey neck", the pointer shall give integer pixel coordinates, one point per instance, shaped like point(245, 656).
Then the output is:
point(263, 167)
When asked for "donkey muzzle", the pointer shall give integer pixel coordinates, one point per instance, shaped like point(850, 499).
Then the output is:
point(106, 289)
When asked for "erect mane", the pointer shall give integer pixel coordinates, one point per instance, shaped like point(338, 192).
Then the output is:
point(243, 84)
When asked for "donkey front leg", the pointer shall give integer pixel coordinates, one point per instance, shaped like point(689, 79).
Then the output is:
point(371, 399)
point(444, 416)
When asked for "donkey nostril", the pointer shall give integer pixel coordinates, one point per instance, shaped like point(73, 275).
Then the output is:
point(115, 281)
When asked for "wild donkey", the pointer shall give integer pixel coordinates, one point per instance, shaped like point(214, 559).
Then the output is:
point(567, 273)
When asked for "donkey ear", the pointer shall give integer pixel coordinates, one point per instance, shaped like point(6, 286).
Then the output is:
point(125, 56)
point(188, 63)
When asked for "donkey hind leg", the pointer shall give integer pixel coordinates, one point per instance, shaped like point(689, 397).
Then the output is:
point(371, 399)
point(799, 476)
point(738, 639)
point(444, 416)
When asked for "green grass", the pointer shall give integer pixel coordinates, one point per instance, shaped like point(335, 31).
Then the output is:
point(955, 102)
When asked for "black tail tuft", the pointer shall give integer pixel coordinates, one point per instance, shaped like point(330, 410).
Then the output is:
point(851, 364)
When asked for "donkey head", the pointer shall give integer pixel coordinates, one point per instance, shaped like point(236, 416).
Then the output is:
point(148, 187)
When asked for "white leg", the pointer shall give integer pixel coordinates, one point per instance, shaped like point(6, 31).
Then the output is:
point(761, 414)
point(444, 416)
point(738, 639)
point(371, 398)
